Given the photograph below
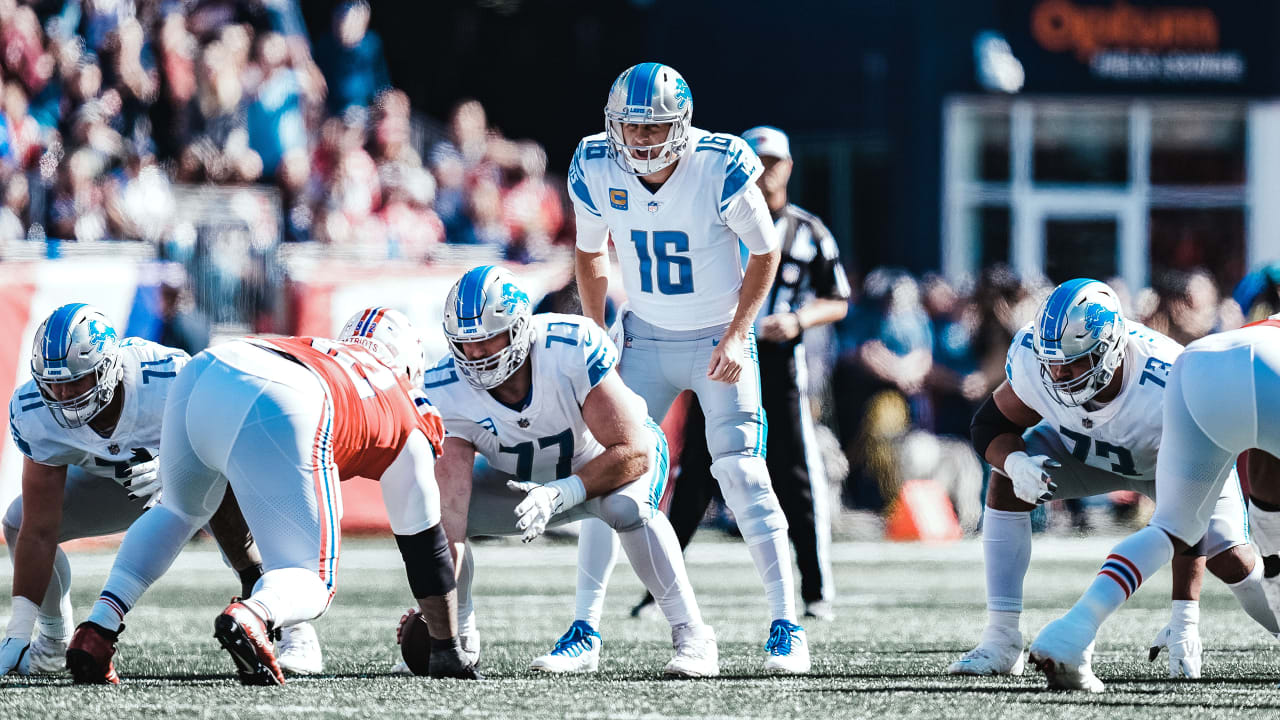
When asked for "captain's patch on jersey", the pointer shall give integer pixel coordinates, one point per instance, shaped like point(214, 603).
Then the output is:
point(618, 198)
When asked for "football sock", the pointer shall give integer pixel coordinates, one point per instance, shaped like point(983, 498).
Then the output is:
point(1006, 552)
point(1253, 598)
point(466, 607)
point(654, 553)
point(54, 616)
point(772, 556)
point(149, 548)
point(1136, 558)
point(289, 596)
point(597, 553)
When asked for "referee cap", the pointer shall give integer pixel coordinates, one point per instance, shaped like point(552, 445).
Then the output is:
point(768, 140)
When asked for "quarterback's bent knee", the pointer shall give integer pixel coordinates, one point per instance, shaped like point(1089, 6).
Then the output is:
point(744, 481)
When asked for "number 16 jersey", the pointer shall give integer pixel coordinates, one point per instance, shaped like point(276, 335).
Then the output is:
point(680, 261)
point(1122, 436)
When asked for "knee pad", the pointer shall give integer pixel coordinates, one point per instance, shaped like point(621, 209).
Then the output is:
point(12, 522)
point(744, 481)
point(623, 512)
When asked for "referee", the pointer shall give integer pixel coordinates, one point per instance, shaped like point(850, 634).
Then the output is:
point(810, 290)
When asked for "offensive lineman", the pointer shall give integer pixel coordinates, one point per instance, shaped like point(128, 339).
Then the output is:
point(88, 425)
point(1089, 385)
point(563, 438)
point(283, 420)
point(1220, 402)
point(676, 200)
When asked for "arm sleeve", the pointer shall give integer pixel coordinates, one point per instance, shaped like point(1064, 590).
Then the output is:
point(409, 489)
point(748, 216)
point(825, 271)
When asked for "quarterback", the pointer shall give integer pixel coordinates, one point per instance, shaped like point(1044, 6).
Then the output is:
point(677, 201)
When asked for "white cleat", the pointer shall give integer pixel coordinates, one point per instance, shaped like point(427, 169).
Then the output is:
point(787, 649)
point(577, 651)
point(697, 655)
point(999, 652)
point(1060, 652)
point(48, 656)
point(298, 650)
point(1184, 650)
point(820, 610)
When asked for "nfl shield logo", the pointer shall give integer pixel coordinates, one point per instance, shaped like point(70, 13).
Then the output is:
point(653, 206)
point(113, 449)
point(1086, 422)
point(523, 422)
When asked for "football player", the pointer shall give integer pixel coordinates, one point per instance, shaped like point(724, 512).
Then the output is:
point(283, 420)
point(1080, 409)
point(676, 200)
point(88, 426)
point(564, 439)
point(1219, 402)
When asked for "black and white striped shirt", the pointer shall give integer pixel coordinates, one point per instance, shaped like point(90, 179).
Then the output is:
point(810, 265)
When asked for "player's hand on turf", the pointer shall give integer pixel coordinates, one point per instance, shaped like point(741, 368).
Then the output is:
point(539, 505)
point(1185, 651)
point(15, 656)
point(727, 359)
point(1032, 476)
point(780, 327)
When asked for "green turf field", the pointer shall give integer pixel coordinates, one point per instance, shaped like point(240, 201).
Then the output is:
point(905, 612)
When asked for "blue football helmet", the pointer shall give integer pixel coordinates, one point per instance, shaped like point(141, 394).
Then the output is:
point(389, 336)
point(74, 341)
point(1081, 318)
point(648, 93)
point(487, 302)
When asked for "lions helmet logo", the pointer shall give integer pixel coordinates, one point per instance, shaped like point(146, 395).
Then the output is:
point(513, 298)
point(100, 333)
point(683, 95)
point(1098, 317)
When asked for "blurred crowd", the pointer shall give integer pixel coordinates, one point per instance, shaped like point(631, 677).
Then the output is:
point(917, 356)
point(110, 107)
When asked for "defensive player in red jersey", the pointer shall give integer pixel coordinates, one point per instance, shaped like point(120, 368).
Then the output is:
point(283, 420)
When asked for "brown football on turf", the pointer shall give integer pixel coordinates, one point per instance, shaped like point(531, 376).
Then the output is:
point(415, 644)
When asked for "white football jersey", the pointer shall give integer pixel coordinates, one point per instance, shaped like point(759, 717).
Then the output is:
point(132, 449)
point(674, 247)
point(548, 439)
point(1121, 437)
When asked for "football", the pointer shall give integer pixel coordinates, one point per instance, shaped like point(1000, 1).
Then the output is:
point(415, 642)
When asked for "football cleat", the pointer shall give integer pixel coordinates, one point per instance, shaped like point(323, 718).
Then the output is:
point(1184, 650)
point(1060, 652)
point(999, 652)
point(696, 653)
point(577, 651)
point(48, 655)
point(247, 638)
point(298, 650)
point(787, 649)
point(820, 610)
point(89, 654)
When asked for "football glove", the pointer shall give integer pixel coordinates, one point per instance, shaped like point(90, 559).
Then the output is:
point(1031, 476)
point(1184, 650)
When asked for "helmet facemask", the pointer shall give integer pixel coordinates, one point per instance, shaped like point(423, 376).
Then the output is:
point(657, 157)
point(1104, 360)
point(79, 410)
point(491, 371)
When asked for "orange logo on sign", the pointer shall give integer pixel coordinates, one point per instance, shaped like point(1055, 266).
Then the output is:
point(1062, 26)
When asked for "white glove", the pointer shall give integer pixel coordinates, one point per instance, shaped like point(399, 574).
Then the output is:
point(15, 656)
point(542, 502)
point(1032, 482)
point(144, 482)
point(1184, 650)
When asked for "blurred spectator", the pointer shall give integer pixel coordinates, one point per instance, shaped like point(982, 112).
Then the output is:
point(13, 213)
point(531, 206)
point(181, 324)
point(21, 131)
point(275, 119)
point(389, 141)
point(484, 209)
point(887, 353)
point(141, 205)
point(1186, 306)
point(412, 229)
point(351, 58)
point(955, 379)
